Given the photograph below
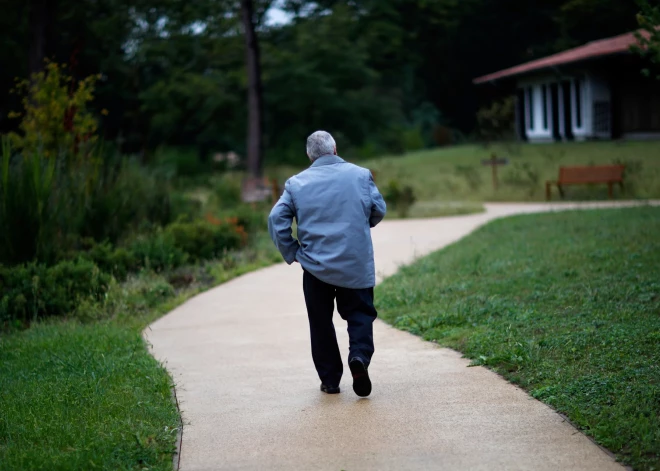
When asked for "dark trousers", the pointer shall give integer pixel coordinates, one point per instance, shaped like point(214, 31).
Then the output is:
point(356, 307)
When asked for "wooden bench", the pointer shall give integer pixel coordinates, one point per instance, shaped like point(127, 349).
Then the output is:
point(609, 174)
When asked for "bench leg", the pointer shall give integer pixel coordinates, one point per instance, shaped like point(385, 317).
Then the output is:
point(561, 191)
point(547, 191)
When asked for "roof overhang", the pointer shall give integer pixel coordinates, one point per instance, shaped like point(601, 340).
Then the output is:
point(596, 49)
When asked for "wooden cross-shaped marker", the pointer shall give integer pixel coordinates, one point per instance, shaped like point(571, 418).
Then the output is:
point(494, 162)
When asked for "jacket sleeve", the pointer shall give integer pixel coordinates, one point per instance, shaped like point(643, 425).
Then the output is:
point(378, 206)
point(279, 227)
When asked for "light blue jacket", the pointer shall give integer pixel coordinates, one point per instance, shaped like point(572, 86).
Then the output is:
point(335, 204)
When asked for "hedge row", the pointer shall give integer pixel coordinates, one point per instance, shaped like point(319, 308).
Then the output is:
point(31, 291)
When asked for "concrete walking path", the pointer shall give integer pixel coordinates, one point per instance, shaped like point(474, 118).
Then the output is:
point(240, 357)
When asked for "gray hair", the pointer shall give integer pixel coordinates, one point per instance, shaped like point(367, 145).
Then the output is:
point(320, 143)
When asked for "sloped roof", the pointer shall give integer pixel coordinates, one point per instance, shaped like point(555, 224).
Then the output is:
point(602, 47)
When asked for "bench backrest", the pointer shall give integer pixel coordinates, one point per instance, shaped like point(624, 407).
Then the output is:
point(592, 174)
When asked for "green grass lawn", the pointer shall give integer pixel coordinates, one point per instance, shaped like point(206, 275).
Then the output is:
point(434, 209)
point(84, 393)
point(84, 397)
point(567, 305)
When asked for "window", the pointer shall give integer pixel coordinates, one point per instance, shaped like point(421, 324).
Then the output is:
point(544, 97)
point(530, 108)
point(602, 117)
point(578, 103)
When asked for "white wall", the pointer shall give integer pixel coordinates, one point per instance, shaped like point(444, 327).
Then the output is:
point(582, 129)
point(536, 129)
point(592, 89)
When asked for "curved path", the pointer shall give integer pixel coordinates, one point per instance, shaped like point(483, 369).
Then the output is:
point(239, 355)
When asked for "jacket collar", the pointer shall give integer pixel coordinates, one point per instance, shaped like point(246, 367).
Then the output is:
point(328, 159)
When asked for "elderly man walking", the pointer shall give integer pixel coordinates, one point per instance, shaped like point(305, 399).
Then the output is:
point(335, 205)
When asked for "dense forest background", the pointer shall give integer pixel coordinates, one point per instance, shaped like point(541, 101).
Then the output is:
point(379, 74)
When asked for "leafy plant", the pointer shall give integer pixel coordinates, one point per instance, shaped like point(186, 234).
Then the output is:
point(33, 291)
point(55, 120)
point(203, 240)
point(648, 38)
point(496, 121)
point(157, 251)
point(400, 198)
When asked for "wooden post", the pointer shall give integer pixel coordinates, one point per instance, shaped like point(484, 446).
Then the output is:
point(493, 165)
point(494, 162)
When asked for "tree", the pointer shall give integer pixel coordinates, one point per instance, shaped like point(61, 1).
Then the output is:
point(41, 18)
point(649, 36)
point(255, 93)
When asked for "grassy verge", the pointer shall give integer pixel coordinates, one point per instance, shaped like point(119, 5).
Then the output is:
point(435, 209)
point(456, 173)
point(84, 393)
point(565, 305)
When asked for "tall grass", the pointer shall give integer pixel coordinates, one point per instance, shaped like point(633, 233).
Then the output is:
point(48, 205)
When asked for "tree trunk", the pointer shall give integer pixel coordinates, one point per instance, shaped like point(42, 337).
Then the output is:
point(255, 103)
point(40, 18)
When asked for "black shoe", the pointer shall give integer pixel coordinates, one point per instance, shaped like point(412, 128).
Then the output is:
point(329, 389)
point(361, 381)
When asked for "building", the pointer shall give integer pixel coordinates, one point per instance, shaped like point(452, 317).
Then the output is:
point(595, 91)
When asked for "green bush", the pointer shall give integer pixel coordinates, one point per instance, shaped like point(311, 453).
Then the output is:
point(57, 191)
point(39, 204)
point(32, 291)
point(126, 197)
point(157, 251)
point(399, 198)
point(251, 219)
point(117, 261)
point(496, 122)
point(203, 240)
point(413, 139)
point(227, 191)
point(181, 161)
point(51, 207)
point(184, 206)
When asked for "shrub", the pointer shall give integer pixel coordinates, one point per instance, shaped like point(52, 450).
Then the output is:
point(32, 291)
point(203, 240)
point(182, 162)
point(413, 139)
point(125, 197)
point(157, 251)
point(117, 261)
point(51, 207)
point(496, 122)
point(184, 207)
point(55, 120)
point(52, 195)
point(443, 135)
point(399, 198)
point(227, 191)
point(40, 205)
point(252, 219)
